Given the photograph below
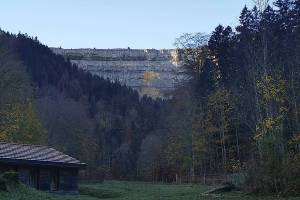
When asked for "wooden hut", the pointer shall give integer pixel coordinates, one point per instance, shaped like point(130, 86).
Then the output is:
point(41, 167)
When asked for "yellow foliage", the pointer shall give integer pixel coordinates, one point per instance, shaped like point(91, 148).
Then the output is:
point(233, 166)
point(20, 124)
point(219, 112)
point(273, 97)
point(269, 123)
point(271, 89)
point(173, 152)
point(266, 126)
point(151, 76)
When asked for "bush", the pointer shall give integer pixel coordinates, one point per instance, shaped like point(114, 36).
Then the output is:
point(11, 177)
point(292, 174)
point(8, 181)
point(2, 184)
point(273, 177)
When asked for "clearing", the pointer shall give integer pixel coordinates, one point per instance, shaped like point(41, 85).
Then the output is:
point(123, 190)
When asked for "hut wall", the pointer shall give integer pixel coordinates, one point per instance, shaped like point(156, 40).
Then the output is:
point(24, 174)
point(6, 168)
point(44, 179)
point(3, 168)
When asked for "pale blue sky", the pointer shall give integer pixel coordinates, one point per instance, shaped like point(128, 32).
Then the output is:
point(116, 23)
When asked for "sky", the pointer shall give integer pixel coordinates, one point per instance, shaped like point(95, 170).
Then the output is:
point(116, 23)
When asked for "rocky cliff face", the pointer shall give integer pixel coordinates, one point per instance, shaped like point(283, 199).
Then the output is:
point(151, 72)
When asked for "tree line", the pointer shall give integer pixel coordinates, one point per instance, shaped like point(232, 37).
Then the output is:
point(241, 111)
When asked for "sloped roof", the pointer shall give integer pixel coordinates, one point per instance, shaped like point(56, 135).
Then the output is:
point(35, 155)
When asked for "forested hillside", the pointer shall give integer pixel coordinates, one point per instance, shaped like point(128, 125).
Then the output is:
point(45, 99)
point(237, 115)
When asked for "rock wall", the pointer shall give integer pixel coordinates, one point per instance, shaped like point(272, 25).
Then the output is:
point(151, 72)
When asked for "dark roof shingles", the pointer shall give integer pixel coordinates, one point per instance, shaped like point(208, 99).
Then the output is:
point(35, 153)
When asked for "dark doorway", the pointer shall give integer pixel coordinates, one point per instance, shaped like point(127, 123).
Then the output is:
point(54, 185)
point(34, 178)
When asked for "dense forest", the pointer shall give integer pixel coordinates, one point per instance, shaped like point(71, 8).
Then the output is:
point(47, 100)
point(244, 100)
point(237, 116)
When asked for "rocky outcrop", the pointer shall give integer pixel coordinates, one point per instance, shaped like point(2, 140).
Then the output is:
point(151, 72)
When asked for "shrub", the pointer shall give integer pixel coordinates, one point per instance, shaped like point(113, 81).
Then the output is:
point(8, 181)
point(2, 184)
point(292, 174)
point(11, 177)
point(273, 177)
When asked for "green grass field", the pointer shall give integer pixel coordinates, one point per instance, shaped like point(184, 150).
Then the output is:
point(116, 190)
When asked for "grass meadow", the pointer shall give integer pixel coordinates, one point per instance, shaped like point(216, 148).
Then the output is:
point(123, 190)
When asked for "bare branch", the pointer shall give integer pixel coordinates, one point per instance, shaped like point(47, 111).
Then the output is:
point(261, 4)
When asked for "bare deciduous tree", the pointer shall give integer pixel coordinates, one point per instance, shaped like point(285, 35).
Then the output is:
point(261, 4)
point(191, 49)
